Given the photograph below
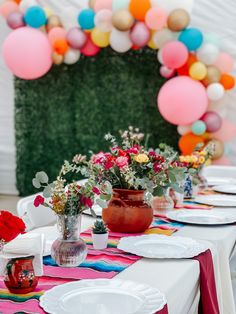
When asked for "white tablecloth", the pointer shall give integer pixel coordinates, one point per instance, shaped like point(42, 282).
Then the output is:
point(179, 279)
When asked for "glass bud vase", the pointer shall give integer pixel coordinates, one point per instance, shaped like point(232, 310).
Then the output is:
point(69, 250)
point(164, 202)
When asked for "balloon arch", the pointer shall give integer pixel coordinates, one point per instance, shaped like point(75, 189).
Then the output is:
point(198, 71)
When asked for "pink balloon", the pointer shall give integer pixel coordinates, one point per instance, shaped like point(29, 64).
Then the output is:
point(27, 53)
point(182, 100)
point(174, 54)
point(56, 33)
point(166, 72)
point(227, 131)
point(212, 120)
point(223, 161)
point(15, 20)
point(225, 63)
point(90, 49)
point(102, 4)
point(8, 7)
point(76, 38)
point(156, 18)
point(140, 34)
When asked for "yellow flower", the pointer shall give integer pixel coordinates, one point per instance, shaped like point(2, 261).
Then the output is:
point(141, 158)
point(203, 153)
point(201, 160)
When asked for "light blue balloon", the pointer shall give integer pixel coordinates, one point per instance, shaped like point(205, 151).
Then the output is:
point(35, 17)
point(212, 38)
point(86, 19)
point(120, 4)
point(198, 127)
point(192, 38)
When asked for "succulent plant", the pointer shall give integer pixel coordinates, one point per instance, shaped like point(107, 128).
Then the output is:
point(99, 227)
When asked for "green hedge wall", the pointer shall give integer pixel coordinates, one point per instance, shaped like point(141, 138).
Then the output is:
point(70, 109)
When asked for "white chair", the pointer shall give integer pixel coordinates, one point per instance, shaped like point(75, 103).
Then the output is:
point(219, 171)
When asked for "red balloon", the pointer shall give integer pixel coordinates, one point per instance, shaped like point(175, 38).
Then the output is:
point(89, 49)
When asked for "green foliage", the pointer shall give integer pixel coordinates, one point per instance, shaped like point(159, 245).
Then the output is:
point(99, 227)
point(70, 109)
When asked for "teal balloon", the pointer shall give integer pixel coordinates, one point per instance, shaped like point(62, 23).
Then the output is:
point(35, 17)
point(192, 38)
point(86, 19)
point(120, 4)
point(198, 127)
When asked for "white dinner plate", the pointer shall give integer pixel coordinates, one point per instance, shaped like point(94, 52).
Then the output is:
point(216, 200)
point(203, 217)
point(220, 180)
point(227, 189)
point(161, 246)
point(102, 296)
point(97, 209)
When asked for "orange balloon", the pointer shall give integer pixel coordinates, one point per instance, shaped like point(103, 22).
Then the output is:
point(188, 143)
point(184, 70)
point(227, 81)
point(139, 8)
point(60, 46)
point(17, 1)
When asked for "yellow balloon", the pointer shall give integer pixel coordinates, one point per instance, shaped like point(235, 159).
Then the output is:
point(99, 38)
point(48, 11)
point(198, 71)
point(151, 43)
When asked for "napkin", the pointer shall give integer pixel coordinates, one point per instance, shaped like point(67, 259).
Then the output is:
point(163, 311)
point(22, 246)
point(193, 205)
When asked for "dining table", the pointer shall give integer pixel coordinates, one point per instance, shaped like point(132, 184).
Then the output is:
point(179, 279)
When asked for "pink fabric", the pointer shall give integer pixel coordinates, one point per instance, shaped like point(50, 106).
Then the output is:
point(208, 300)
point(163, 311)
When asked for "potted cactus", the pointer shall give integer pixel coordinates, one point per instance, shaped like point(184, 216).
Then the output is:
point(99, 235)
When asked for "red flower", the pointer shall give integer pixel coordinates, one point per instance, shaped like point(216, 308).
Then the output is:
point(96, 190)
point(159, 159)
point(39, 200)
point(157, 168)
point(122, 153)
point(10, 226)
point(134, 150)
point(86, 201)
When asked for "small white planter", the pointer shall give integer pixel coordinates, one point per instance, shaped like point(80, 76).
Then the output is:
point(100, 240)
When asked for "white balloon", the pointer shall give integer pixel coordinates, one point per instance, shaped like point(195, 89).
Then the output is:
point(160, 38)
point(25, 4)
point(72, 56)
point(69, 18)
point(208, 53)
point(159, 56)
point(120, 41)
point(170, 5)
point(103, 20)
point(183, 129)
point(215, 91)
point(120, 4)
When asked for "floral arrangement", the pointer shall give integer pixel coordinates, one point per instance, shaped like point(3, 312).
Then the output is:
point(129, 165)
point(10, 227)
point(69, 199)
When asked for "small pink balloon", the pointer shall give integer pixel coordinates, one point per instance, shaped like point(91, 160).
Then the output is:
point(225, 63)
point(15, 20)
point(223, 161)
point(156, 18)
point(212, 120)
point(182, 100)
point(56, 33)
point(8, 7)
point(140, 34)
point(76, 38)
point(27, 53)
point(102, 4)
point(227, 131)
point(89, 48)
point(166, 72)
point(174, 54)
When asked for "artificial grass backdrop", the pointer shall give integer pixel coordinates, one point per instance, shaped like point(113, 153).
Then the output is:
point(70, 109)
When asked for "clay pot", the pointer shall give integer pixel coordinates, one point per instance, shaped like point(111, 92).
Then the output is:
point(127, 212)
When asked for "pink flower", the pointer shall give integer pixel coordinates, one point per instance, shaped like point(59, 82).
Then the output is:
point(96, 190)
point(157, 168)
point(86, 201)
point(152, 153)
point(39, 200)
point(134, 150)
point(122, 161)
point(99, 158)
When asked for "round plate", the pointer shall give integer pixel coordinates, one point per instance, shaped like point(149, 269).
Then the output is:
point(103, 296)
point(202, 217)
point(161, 246)
point(216, 200)
point(220, 180)
point(227, 189)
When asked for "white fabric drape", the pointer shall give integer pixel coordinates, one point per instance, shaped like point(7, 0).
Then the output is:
point(211, 16)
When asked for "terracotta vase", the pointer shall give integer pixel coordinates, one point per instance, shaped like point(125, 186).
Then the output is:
point(127, 212)
point(20, 277)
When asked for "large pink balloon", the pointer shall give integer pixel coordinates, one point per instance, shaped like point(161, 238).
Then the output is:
point(182, 100)
point(27, 53)
point(227, 131)
point(174, 54)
